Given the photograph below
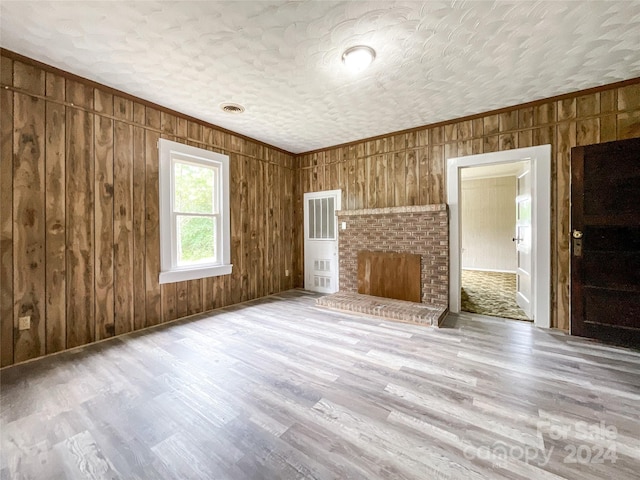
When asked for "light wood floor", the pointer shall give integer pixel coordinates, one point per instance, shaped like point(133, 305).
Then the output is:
point(277, 389)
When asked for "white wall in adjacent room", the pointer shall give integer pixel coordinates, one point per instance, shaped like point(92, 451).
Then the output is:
point(488, 214)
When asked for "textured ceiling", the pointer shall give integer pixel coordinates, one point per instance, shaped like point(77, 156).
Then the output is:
point(436, 60)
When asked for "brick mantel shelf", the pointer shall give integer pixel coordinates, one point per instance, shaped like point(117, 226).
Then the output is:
point(438, 207)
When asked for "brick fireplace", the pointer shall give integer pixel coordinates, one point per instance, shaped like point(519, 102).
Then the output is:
point(422, 230)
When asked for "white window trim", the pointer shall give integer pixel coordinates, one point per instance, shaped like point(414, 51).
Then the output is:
point(170, 272)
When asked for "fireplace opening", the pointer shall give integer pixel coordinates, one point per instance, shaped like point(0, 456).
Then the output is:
point(390, 275)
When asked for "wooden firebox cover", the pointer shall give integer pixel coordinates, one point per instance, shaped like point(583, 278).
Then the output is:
point(389, 275)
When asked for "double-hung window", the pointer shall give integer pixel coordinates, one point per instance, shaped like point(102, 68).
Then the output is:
point(194, 213)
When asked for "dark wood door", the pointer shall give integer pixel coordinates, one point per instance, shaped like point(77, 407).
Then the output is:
point(605, 241)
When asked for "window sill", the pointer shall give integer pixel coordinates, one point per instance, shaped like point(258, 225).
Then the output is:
point(196, 273)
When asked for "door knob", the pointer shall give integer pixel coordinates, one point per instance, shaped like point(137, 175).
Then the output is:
point(577, 243)
point(514, 239)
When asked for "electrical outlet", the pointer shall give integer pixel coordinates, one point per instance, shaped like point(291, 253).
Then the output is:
point(24, 323)
point(286, 273)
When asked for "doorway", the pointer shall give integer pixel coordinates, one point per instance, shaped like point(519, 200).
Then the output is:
point(321, 241)
point(495, 230)
point(540, 206)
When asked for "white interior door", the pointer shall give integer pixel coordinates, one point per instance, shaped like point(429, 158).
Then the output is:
point(523, 241)
point(321, 241)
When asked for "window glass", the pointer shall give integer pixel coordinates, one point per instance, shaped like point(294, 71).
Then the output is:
point(193, 188)
point(318, 215)
point(332, 218)
point(312, 219)
point(196, 239)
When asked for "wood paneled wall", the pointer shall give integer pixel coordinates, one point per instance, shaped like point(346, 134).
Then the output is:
point(79, 237)
point(408, 168)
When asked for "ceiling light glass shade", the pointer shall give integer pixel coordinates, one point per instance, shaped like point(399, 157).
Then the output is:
point(358, 58)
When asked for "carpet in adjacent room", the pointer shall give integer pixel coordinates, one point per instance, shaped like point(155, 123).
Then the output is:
point(490, 293)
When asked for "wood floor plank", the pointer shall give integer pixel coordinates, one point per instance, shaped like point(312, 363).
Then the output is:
point(276, 388)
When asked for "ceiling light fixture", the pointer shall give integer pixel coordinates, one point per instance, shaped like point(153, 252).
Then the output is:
point(233, 108)
point(358, 58)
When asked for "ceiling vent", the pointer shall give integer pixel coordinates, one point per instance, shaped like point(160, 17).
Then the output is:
point(233, 108)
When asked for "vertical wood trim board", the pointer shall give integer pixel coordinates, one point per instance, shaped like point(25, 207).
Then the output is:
point(6, 224)
point(104, 224)
point(123, 225)
point(55, 215)
point(80, 228)
point(79, 237)
point(29, 228)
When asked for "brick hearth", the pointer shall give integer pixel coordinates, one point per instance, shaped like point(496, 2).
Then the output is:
point(387, 308)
